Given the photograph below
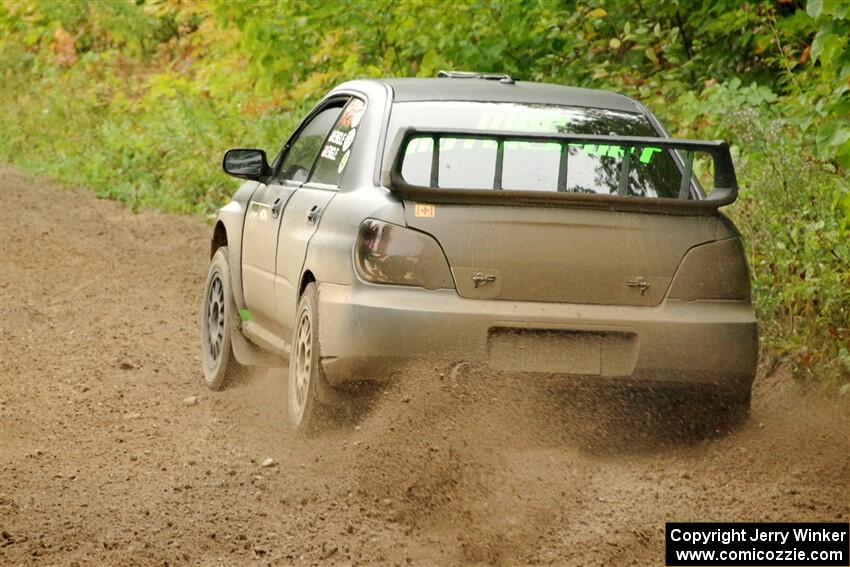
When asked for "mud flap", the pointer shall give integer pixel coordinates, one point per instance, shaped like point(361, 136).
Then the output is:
point(247, 354)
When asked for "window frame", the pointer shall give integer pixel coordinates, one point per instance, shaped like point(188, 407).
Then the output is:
point(284, 151)
point(320, 185)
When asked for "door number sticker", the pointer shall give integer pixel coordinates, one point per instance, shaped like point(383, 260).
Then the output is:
point(423, 210)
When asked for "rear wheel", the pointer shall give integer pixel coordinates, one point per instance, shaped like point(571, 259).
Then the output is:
point(217, 321)
point(311, 402)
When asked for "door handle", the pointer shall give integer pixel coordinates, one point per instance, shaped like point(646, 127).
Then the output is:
point(276, 207)
point(313, 214)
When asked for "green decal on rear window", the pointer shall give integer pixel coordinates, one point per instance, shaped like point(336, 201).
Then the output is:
point(645, 155)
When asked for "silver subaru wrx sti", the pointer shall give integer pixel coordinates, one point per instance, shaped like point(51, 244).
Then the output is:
point(534, 228)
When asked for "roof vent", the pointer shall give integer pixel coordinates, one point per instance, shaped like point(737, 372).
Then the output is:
point(502, 78)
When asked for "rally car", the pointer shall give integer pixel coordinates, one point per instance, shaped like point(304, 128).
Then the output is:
point(537, 229)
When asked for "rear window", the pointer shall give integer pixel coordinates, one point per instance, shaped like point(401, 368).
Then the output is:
point(532, 166)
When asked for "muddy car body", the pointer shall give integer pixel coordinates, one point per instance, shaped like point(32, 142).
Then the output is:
point(538, 229)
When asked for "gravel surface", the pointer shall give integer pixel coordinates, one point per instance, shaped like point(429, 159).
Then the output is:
point(113, 452)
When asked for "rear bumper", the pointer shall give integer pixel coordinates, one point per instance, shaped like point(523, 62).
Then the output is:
point(367, 332)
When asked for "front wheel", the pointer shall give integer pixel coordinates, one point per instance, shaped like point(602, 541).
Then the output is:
point(217, 320)
point(311, 401)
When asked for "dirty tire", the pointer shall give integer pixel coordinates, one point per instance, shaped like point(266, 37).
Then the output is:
point(310, 399)
point(217, 323)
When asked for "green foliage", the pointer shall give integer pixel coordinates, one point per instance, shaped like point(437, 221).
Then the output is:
point(138, 100)
point(140, 122)
point(795, 217)
point(831, 48)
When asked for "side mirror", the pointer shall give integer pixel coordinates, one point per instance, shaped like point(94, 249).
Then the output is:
point(246, 164)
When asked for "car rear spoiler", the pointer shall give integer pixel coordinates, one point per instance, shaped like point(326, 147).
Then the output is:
point(725, 183)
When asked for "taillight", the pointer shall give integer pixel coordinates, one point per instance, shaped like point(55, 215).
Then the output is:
point(390, 254)
point(717, 270)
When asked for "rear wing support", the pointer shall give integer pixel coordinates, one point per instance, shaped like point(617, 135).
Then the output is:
point(725, 189)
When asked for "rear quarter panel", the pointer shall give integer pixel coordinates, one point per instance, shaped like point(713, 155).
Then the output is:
point(330, 252)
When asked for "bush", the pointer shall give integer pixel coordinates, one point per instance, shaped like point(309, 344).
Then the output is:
point(795, 217)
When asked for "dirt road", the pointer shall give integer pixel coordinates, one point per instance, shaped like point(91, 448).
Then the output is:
point(106, 460)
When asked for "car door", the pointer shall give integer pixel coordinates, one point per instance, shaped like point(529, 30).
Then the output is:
point(266, 211)
point(303, 211)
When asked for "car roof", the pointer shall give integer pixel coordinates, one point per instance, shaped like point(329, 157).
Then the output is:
point(481, 90)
